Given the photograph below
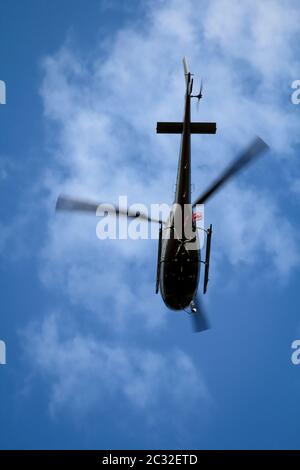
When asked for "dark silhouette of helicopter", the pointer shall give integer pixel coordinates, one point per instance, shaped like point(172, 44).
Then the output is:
point(179, 257)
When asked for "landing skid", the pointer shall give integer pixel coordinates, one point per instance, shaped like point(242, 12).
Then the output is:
point(158, 259)
point(207, 258)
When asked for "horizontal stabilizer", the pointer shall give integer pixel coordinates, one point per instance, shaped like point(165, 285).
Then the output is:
point(177, 128)
point(203, 127)
point(169, 128)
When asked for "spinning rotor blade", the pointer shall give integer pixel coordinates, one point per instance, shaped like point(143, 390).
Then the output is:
point(200, 95)
point(65, 203)
point(68, 204)
point(201, 88)
point(256, 148)
point(200, 321)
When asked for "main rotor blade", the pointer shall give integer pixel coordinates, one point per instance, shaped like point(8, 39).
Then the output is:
point(256, 148)
point(199, 318)
point(69, 204)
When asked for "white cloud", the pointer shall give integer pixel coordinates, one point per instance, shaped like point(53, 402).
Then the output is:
point(7, 167)
point(295, 184)
point(104, 114)
point(258, 33)
point(106, 111)
point(88, 374)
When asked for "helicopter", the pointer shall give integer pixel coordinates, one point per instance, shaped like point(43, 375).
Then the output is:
point(179, 254)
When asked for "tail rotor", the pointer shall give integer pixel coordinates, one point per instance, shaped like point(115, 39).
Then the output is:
point(200, 95)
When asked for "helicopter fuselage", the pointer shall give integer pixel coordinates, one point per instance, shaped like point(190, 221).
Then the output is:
point(180, 253)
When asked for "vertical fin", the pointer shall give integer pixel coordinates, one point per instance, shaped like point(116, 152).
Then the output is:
point(186, 69)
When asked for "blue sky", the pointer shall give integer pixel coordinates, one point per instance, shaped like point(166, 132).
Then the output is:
point(94, 359)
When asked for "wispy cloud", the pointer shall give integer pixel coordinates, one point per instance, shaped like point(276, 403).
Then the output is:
point(7, 166)
point(106, 110)
point(88, 374)
point(103, 114)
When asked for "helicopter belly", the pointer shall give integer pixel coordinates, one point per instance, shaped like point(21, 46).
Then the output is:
point(179, 276)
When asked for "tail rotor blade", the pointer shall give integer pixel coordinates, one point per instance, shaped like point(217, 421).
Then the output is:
point(199, 318)
point(200, 92)
point(201, 88)
point(256, 148)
